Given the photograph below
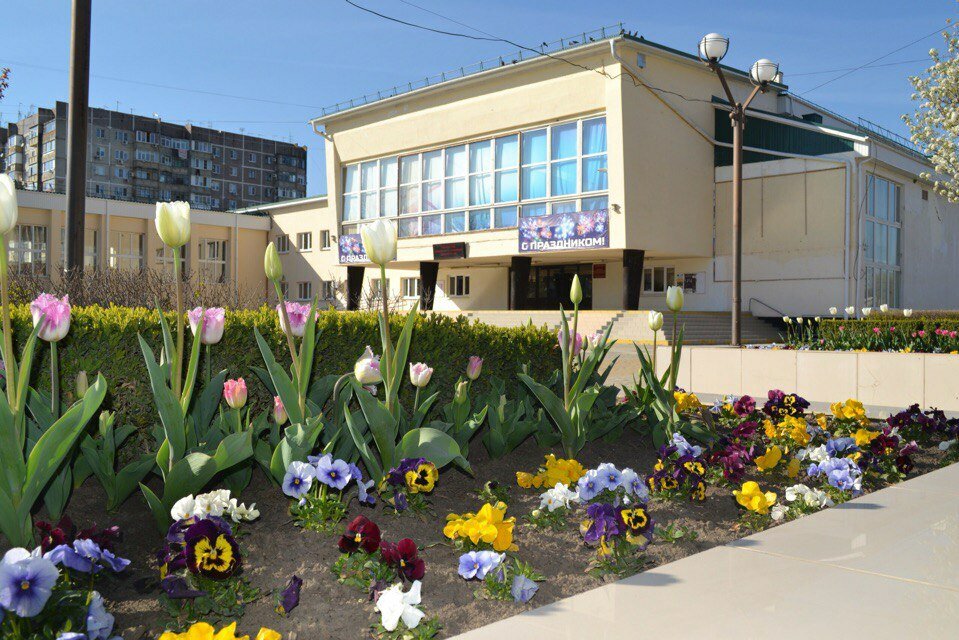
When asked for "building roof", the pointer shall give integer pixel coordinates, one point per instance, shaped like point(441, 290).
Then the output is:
point(265, 208)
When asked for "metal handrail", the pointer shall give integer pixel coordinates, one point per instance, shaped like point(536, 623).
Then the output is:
point(768, 306)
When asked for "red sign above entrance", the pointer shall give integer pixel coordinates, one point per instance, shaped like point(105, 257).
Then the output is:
point(449, 250)
point(599, 270)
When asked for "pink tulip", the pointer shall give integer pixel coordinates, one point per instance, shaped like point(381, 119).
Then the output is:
point(875, 329)
point(577, 341)
point(234, 392)
point(213, 321)
point(56, 316)
point(922, 333)
point(474, 367)
point(420, 374)
point(299, 314)
point(279, 411)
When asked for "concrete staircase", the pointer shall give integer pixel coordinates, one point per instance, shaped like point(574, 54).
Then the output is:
point(631, 326)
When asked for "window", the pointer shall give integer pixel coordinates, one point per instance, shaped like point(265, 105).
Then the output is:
point(304, 241)
point(212, 260)
point(283, 244)
point(284, 288)
point(328, 289)
point(410, 287)
point(123, 136)
point(233, 154)
point(141, 136)
point(164, 259)
point(27, 247)
point(458, 286)
point(126, 250)
point(233, 172)
point(121, 155)
point(325, 243)
point(91, 247)
point(376, 287)
point(656, 279)
point(251, 157)
point(304, 290)
point(100, 132)
point(882, 243)
point(251, 190)
point(479, 185)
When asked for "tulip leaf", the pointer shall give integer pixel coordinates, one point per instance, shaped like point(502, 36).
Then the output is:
point(402, 352)
point(373, 465)
point(208, 401)
point(171, 416)
point(554, 408)
point(57, 442)
point(281, 382)
point(434, 445)
point(382, 424)
point(11, 451)
point(191, 370)
point(307, 347)
point(23, 382)
point(160, 512)
point(169, 347)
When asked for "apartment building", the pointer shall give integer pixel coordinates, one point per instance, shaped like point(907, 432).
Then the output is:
point(145, 159)
point(612, 162)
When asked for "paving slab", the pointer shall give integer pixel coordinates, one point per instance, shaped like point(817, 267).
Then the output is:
point(881, 566)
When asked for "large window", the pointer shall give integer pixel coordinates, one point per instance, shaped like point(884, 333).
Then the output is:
point(484, 184)
point(458, 286)
point(882, 241)
point(212, 261)
point(410, 287)
point(657, 279)
point(126, 250)
point(164, 259)
point(91, 247)
point(304, 241)
point(27, 249)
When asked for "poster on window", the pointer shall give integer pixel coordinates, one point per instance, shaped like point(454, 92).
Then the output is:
point(564, 231)
point(351, 249)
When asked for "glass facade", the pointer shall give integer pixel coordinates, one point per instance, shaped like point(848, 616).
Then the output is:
point(484, 184)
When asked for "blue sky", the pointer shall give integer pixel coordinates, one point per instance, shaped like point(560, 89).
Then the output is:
point(313, 53)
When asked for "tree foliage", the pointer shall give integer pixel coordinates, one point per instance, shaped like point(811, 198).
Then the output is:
point(935, 123)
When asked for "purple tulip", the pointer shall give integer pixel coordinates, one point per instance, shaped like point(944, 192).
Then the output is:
point(299, 314)
point(474, 367)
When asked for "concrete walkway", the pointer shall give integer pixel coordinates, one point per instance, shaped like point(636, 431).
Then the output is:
point(882, 566)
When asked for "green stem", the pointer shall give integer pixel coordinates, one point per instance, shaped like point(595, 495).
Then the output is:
point(54, 381)
point(387, 369)
point(178, 356)
point(9, 360)
point(655, 373)
point(416, 400)
point(209, 364)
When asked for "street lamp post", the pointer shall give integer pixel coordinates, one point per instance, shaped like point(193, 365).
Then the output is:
point(712, 49)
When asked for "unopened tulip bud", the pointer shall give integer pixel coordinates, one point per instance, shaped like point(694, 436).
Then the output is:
point(655, 320)
point(674, 299)
point(576, 291)
point(271, 264)
point(234, 392)
point(173, 223)
point(279, 411)
point(82, 384)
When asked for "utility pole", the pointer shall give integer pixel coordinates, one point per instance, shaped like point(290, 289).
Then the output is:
point(77, 136)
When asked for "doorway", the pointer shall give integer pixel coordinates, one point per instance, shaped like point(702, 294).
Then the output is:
point(549, 286)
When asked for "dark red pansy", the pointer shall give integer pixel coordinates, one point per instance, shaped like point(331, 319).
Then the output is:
point(362, 533)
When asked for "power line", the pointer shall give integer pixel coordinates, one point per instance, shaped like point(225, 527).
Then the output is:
point(418, 26)
point(871, 66)
point(167, 86)
point(875, 60)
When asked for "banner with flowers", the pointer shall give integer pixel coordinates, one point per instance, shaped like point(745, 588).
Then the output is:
point(351, 249)
point(564, 231)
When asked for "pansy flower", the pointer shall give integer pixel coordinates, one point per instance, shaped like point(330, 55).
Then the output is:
point(298, 479)
point(637, 526)
point(211, 550)
point(403, 556)
point(477, 564)
point(361, 533)
point(289, 598)
point(423, 478)
point(601, 522)
point(332, 472)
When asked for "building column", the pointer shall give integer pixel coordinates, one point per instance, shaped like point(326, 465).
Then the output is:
point(428, 275)
point(519, 281)
point(632, 278)
point(354, 287)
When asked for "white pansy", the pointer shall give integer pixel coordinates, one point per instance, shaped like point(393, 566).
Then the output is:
point(183, 508)
point(778, 512)
point(558, 496)
point(394, 605)
point(239, 512)
point(945, 445)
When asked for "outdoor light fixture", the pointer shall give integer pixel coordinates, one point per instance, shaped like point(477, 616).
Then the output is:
point(764, 71)
point(713, 47)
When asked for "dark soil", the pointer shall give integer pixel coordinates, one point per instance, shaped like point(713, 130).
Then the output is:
point(274, 548)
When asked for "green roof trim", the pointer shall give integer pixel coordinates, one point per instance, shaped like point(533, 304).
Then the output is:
point(774, 136)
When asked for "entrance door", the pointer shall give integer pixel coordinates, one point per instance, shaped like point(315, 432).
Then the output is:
point(549, 286)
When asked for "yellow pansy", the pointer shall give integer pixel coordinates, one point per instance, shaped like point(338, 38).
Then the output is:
point(423, 479)
point(524, 479)
point(792, 469)
point(268, 634)
point(770, 429)
point(822, 421)
point(753, 498)
point(204, 631)
point(489, 525)
point(553, 471)
point(770, 459)
point(686, 401)
point(864, 437)
point(795, 428)
point(849, 410)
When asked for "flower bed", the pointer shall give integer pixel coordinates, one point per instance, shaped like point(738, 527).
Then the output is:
point(876, 331)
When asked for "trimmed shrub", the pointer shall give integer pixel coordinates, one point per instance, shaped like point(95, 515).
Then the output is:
point(105, 340)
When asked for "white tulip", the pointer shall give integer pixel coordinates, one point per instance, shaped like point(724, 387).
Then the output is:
point(379, 241)
point(866, 311)
point(173, 223)
point(787, 320)
point(883, 308)
point(655, 320)
point(907, 313)
point(833, 311)
point(818, 318)
point(674, 299)
point(420, 374)
point(850, 311)
point(367, 368)
point(8, 204)
point(799, 319)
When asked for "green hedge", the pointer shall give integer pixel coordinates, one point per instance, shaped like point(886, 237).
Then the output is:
point(881, 333)
point(105, 340)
